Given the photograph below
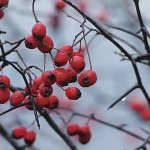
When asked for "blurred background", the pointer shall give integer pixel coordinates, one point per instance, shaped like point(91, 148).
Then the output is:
point(115, 77)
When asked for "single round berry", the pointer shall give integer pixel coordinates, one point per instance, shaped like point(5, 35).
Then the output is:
point(47, 44)
point(66, 48)
point(39, 30)
point(16, 98)
point(30, 137)
point(42, 101)
point(53, 101)
point(19, 132)
point(37, 81)
point(72, 129)
point(59, 5)
point(86, 138)
point(45, 90)
point(48, 77)
point(77, 53)
point(61, 59)
point(84, 129)
point(61, 76)
point(3, 3)
point(31, 42)
point(4, 81)
point(4, 95)
point(87, 78)
point(72, 75)
point(73, 93)
point(77, 63)
point(1, 14)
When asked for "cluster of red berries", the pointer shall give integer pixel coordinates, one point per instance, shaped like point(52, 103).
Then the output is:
point(82, 131)
point(3, 4)
point(4, 89)
point(141, 108)
point(20, 132)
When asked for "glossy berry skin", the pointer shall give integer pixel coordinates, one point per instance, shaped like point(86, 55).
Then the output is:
point(3, 3)
point(48, 77)
point(37, 81)
point(84, 134)
point(19, 132)
point(4, 81)
point(77, 63)
point(45, 90)
point(61, 76)
point(28, 106)
point(59, 5)
point(16, 98)
point(47, 44)
point(1, 14)
point(42, 101)
point(4, 95)
point(31, 42)
point(77, 53)
point(73, 93)
point(87, 78)
point(72, 75)
point(72, 129)
point(39, 30)
point(53, 101)
point(30, 137)
point(66, 48)
point(61, 59)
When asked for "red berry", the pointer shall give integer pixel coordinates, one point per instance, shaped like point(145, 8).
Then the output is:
point(53, 101)
point(37, 81)
point(16, 98)
point(145, 113)
point(28, 106)
point(31, 42)
point(73, 93)
point(61, 76)
point(30, 137)
point(66, 48)
point(72, 129)
point(77, 53)
point(4, 81)
point(47, 44)
point(45, 90)
point(72, 75)
point(19, 132)
point(77, 63)
point(87, 78)
point(4, 95)
point(39, 30)
point(1, 14)
point(48, 77)
point(61, 59)
point(42, 101)
point(85, 139)
point(3, 3)
point(60, 5)
point(34, 90)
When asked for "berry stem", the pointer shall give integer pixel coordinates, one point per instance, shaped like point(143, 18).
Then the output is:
point(33, 10)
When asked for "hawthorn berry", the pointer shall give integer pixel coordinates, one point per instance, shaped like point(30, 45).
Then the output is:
point(46, 45)
point(72, 129)
point(85, 139)
point(66, 48)
point(61, 59)
point(53, 101)
point(16, 98)
point(31, 42)
point(34, 90)
point(73, 93)
point(48, 77)
point(39, 30)
point(42, 101)
point(77, 63)
point(30, 137)
point(45, 90)
point(72, 75)
point(4, 95)
point(77, 53)
point(3, 3)
point(19, 132)
point(37, 81)
point(1, 14)
point(59, 5)
point(61, 76)
point(4, 81)
point(87, 78)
